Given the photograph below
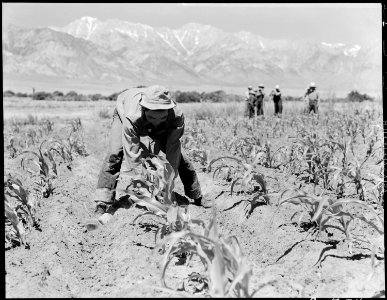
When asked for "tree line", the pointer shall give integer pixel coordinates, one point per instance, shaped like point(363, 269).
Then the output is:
point(180, 96)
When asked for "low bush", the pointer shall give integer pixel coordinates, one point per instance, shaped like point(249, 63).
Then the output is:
point(8, 93)
point(57, 94)
point(41, 96)
point(355, 96)
point(22, 95)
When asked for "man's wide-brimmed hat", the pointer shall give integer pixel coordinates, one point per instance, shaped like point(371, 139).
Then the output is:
point(156, 97)
point(261, 85)
point(312, 84)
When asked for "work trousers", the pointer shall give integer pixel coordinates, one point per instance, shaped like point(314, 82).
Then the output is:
point(259, 107)
point(278, 107)
point(113, 164)
point(313, 106)
point(250, 109)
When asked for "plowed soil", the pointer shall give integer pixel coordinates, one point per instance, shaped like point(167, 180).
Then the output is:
point(120, 259)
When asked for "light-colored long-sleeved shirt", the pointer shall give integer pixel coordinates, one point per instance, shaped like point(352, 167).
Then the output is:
point(312, 96)
point(167, 135)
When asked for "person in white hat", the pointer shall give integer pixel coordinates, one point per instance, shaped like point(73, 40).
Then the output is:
point(277, 100)
point(311, 98)
point(150, 113)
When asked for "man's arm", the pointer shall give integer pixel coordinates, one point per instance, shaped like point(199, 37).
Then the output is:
point(305, 98)
point(131, 143)
point(173, 146)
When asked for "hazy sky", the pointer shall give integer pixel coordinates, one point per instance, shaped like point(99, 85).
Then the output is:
point(349, 23)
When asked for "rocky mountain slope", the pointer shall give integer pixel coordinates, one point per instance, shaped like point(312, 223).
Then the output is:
point(120, 51)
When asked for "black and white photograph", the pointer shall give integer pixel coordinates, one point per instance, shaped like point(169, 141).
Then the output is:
point(196, 150)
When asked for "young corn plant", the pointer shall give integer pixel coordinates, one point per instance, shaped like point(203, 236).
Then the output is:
point(374, 221)
point(201, 156)
point(75, 141)
point(293, 159)
point(313, 207)
point(354, 172)
point(224, 262)
point(318, 155)
point(377, 191)
point(11, 148)
point(47, 126)
point(62, 150)
point(19, 209)
point(76, 144)
point(153, 189)
point(174, 220)
point(31, 137)
point(336, 181)
point(251, 181)
point(325, 213)
point(269, 158)
point(42, 175)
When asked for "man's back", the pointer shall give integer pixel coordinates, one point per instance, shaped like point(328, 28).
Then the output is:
point(131, 115)
point(128, 103)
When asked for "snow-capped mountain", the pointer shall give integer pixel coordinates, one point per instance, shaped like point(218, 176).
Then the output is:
point(117, 50)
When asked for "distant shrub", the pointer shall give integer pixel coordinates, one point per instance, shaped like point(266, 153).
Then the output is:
point(217, 96)
point(291, 98)
point(21, 95)
point(41, 96)
point(74, 96)
point(57, 94)
point(96, 97)
point(8, 93)
point(71, 94)
point(186, 97)
point(112, 97)
point(355, 96)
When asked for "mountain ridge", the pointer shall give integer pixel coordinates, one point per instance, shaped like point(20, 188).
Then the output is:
point(117, 50)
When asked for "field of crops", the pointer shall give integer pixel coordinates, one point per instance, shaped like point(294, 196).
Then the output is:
point(298, 205)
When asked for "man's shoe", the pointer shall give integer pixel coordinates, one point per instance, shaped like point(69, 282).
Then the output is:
point(204, 202)
point(100, 209)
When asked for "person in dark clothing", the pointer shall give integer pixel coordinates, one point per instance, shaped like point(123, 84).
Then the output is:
point(252, 103)
point(248, 105)
point(147, 113)
point(277, 100)
point(260, 99)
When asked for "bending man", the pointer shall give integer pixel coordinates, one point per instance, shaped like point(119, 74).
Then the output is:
point(151, 114)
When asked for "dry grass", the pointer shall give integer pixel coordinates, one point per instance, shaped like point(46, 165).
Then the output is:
point(21, 107)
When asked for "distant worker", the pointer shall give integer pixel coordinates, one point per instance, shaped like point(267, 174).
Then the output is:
point(277, 99)
point(247, 103)
point(259, 99)
point(251, 103)
point(311, 98)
